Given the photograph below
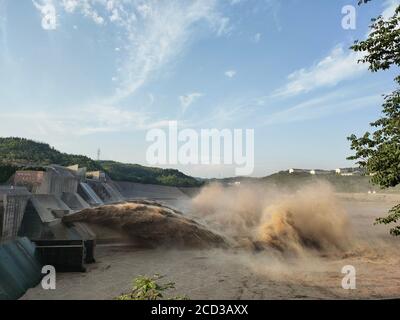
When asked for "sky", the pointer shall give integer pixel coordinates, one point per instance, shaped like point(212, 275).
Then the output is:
point(88, 74)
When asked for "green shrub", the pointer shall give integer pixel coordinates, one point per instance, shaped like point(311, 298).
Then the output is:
point(148, 288)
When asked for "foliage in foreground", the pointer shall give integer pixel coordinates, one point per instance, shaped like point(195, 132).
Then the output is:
point(379, 152)
point(148, 288)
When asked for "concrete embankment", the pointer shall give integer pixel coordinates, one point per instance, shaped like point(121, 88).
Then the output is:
point(20, 268)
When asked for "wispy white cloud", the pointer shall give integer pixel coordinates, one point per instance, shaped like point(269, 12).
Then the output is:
point(232, 111)
point(162, 34)
point(78, 122)
point(153, 32)
point(258, 111)
point(70, 5)
point(86, 7)
point(112, 119)
point(323, 106)
point(223, 25)
point(230, 73)
point(338, 66)
point(188, 99)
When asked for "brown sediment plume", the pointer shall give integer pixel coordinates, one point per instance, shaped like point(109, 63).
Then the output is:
point(310, 219)
point(235, 210)
point(248, 216)
point(150, 224)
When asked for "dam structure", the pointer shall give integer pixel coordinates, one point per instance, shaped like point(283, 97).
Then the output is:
point(13, 202)
point(167, 195)
point(104, 187)
point(35, 201)
point(89, 194)
point(34, 206)
point(20, 265)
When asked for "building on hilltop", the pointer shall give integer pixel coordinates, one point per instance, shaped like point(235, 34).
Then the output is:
point(345, 172)
point(291, 171)
point(311, 171)
point(97, 175)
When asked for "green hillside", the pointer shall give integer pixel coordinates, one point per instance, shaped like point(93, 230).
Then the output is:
point(356, 183)
point(295, 181)
point(23, 152)
point(141, 174)
point(20, 153)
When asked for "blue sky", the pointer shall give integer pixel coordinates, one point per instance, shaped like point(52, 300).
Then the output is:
point(100, 73)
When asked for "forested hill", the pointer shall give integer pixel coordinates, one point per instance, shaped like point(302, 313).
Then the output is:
point(17, 153)
point(137, 173)
point(23, 152)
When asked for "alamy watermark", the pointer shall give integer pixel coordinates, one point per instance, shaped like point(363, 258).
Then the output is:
point(49, 278)
point(172, 146)
point(349, 280)
point(349, 20)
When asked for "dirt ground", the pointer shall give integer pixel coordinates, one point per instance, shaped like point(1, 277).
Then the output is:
point(240, 274)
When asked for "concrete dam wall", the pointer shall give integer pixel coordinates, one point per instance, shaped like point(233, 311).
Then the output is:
point(88, 194)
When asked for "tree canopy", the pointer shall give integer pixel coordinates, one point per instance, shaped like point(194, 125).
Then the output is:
point(379, 152)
